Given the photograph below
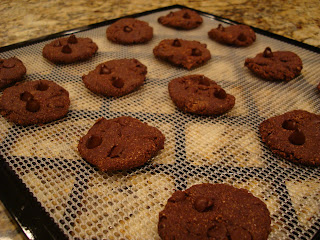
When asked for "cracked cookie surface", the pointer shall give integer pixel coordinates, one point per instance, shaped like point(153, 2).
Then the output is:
point(236, 35)
point(214, 211)
point(69, 49)
point(120, 143)
point(294, 136)
point(200, 95)
point(275, 66)
point(182, 19)
point(34, 102)
point(182, 53)
point(116, 77)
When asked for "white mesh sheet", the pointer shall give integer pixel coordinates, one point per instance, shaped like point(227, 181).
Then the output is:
point(88, 204)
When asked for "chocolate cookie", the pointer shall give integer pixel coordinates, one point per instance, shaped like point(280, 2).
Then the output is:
point(275, 66)
point(182, 53)
point(34, 102)
point(200, 95)
point(294, 136)
point(214, 211)
point(69, 49)
point(129, 31)
point(182, 19)
point(120, 143)
point(11, 70)
point(235, 35)
point(116, 77)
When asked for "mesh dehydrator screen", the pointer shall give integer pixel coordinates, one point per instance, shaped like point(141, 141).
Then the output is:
point(88, 204)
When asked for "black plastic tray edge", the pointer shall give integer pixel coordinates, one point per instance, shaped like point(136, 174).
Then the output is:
point(19, 202)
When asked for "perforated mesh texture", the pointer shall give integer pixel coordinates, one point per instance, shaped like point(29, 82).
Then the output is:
point(88, 204)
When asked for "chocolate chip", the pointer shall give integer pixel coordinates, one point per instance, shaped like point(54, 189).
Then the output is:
point(72, 39)
point(26, 96)
point(33, 105)
point(8, 64)
point(93, 141)
point(297, 137)
point(186, 16)
point(42, 86)
point(220, 93)
point(178, 196)
point(196, 52)
point(204, 81)
point(127, 29)
point(289, 124)
point(117, 82)
point(176, 43)
point(242, 37)
point(202, 204)
point(267, 53)
point(220, 28)
point(57, 43)
point(66, 49)
point(105, 70)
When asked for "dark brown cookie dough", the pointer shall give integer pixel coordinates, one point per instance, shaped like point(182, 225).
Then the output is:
point(129, 31)
point(181, 19)
point(69, 49)
point(235, 35)
point(214, 211)
point(34, 102)
point(182, 53)
point(116, 77)
point(294, 136)
point(11, 70)
point(275, 66)
point(120, 143)
point(200, 95)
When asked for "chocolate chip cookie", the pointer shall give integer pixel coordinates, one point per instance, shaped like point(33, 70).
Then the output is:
point(182, 53)
point(275, 66)
point(235, 35)
point(200, 95)
point(214, 211)
point(69, 49)
point(181, 19)
point(120, 143)
point(129, 31)
point(11, 70)
point(116, 77)
point(34, 102)
point(294, 136)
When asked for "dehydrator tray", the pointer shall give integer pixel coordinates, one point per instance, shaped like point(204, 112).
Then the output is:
point(54, 194)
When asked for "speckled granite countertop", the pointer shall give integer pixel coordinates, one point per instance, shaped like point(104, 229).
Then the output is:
point(27, 19)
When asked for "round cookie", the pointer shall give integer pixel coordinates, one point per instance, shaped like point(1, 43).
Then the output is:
point(200, 95)
point(120, 143)
point(34, 102)
point(236, 35)
point(69, 49)
point(275, 66)
point(294, 136)
point(182, 19)
point(129, 31)
point(116, 77)
point(182, 53)
point(11, 70)
point(214, 211)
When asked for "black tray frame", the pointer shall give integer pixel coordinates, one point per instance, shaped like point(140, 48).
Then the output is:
point(30, 216)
